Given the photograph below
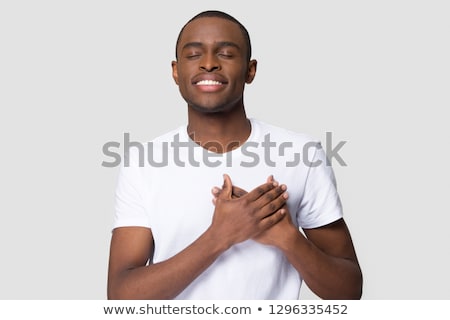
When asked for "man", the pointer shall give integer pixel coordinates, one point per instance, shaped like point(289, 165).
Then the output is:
point(170, 241)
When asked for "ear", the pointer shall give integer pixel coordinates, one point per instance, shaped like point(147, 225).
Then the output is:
point(175, 71)
point(251, 72)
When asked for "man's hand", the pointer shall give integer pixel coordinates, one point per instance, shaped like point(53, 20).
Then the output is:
point(325, 258)
point(274, 234)
point(239, 217)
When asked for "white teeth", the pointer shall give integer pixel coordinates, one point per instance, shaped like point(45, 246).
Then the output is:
point(208, 83)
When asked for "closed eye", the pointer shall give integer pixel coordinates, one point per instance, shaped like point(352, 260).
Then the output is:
point(191, 56)
point(225, 55)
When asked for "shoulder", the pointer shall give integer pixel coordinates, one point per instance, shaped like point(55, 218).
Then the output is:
point(138, 153)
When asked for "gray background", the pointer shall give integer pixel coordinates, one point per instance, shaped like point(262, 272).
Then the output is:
point(77, 74)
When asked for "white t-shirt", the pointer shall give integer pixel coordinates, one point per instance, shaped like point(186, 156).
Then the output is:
point(167, 188)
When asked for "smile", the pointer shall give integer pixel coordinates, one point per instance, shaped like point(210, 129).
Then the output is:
point(208, 83)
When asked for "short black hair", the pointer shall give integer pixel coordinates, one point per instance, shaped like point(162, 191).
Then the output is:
point(222, 15)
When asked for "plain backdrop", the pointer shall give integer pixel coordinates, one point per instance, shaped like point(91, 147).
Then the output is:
point(77, 74)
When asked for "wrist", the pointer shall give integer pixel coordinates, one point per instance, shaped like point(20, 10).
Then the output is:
point(217, 242)
point(292, 236)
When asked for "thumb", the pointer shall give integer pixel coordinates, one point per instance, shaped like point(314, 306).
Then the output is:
point(227, 187)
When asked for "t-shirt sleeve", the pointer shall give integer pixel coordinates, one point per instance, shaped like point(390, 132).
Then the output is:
point(129, 196)
point(320, 204)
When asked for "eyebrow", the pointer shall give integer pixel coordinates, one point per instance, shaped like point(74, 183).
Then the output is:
point(220, 44)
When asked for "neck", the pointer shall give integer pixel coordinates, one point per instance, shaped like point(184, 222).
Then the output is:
point(219, 132)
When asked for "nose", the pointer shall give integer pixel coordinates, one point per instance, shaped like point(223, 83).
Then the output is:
point(209, 63)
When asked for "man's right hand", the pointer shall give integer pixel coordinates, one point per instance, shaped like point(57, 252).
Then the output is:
point(239, 219)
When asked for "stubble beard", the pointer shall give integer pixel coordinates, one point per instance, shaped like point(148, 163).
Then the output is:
point(213, 108)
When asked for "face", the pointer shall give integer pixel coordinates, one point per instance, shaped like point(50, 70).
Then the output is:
point(212, 67)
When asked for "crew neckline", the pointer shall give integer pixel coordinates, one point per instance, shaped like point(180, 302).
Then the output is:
point(253, 129)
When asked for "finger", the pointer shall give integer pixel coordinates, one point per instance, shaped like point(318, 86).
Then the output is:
point(273, 219)
point(215, 191)
point(227, 188)
point(272, 201)
point(238, 192)
point(272, 179)
point(260, 191)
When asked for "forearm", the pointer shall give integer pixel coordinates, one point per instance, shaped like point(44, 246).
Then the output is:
point(327, 276)
point(234, 221)
point(166, 279)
